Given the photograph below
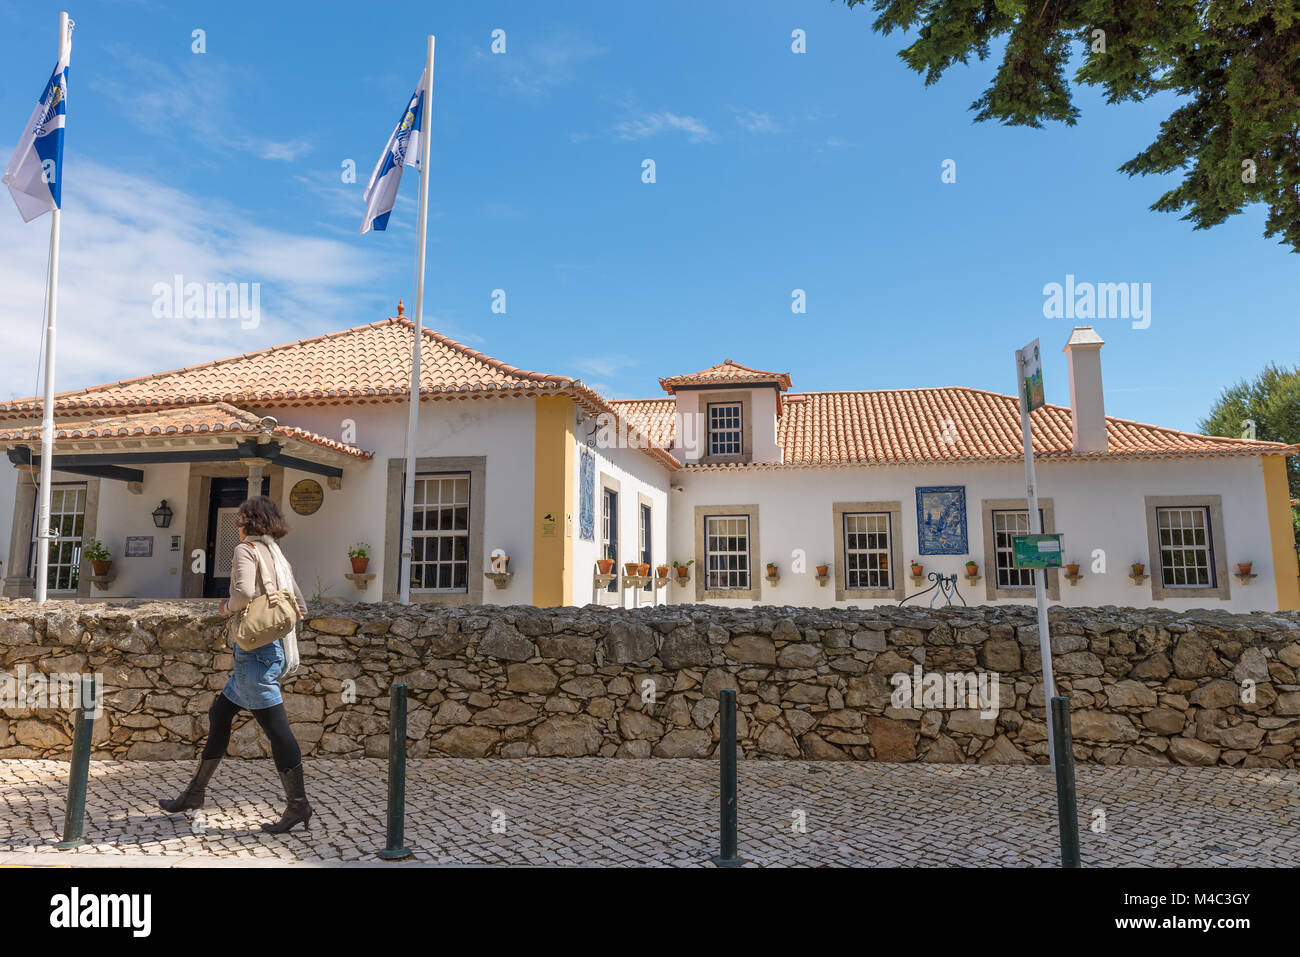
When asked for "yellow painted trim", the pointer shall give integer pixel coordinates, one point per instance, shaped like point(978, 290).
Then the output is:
point(1277, 500)
point(553, 496)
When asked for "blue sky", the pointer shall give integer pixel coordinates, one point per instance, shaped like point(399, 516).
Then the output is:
point(775, 171)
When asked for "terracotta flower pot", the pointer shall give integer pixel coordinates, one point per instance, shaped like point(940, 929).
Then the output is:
point(771, 569)
point(1137, 568)
point(606, 565)
point(661, 571)
point(359, 564)
point(683, 571)
point(972, 568)
point(643, 570)
point(1243, 568)
point(823, 570)
point(101, 568)
point(917, 570)
point(1072, 568)
point(630, 569)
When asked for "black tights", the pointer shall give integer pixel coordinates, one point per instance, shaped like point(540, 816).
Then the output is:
point(274, 722)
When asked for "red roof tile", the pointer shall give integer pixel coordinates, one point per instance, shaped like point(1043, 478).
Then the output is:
point(732, 373)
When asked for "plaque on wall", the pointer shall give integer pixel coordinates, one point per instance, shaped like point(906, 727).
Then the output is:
point(941, 520)
point(306, 496)
point(139, 546)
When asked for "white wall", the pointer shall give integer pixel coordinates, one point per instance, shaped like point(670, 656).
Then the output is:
point(636, 474)
point(501, 429)
point(122, 513)
point(1096, 507)
point(763, 424)
point(8, 490)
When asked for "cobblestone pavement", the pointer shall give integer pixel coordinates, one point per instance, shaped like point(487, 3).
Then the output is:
point(597, 811)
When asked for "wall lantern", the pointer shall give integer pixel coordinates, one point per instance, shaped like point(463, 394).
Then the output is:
point(162, 515)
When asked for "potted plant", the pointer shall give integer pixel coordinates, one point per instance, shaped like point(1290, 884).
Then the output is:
point(917, 569)
point(661, 571)
point(683, 568)
point(359, 554)
point(823, 570)
point(1137, 568)
point(606, 565)
point(643, 570)
point(500, 563)
point(972, 569)
point(100, 559)
point(1243, 568)
point(630, 569)
point(1072, 568)
point(771, 569)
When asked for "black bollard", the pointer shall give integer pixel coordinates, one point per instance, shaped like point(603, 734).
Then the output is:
point(1067, 809)
point(395, 849)
point(79, 768)
point(727, 779)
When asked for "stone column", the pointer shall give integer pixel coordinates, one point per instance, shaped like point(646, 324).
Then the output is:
point(18, 583)
point(256, 472)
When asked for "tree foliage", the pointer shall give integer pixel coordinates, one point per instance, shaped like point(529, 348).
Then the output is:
point(1271, 403)
point(1235, 65)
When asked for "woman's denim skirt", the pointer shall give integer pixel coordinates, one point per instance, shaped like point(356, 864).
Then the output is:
point(254, 683)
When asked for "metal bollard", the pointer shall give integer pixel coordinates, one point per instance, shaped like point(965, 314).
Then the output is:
point(1067, 809)
point(395, 849)
point(74, 818)
point(727, 779)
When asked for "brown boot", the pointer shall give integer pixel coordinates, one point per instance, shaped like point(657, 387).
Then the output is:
point(298, 808)
point(191, 798)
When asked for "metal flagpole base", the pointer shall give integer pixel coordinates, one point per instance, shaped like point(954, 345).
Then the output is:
point(729, 862)
point(395, 854)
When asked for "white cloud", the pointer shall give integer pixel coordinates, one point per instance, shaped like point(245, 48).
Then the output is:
point(753, 122)
point(122, 234)
point(533, 68)
point(652, 124)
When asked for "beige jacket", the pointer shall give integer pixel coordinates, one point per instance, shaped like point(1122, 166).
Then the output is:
point(244, 578)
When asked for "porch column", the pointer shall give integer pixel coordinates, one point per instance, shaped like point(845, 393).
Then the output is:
point(17, 583)
point(255, 474)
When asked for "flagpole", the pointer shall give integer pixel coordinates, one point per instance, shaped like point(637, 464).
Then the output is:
point(413, 417)
point(47, 403)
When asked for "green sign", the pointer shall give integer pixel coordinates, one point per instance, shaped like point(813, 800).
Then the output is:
point(1036, 551)
point(1031, 377)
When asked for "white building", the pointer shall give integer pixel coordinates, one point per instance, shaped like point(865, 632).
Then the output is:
point(729, 472)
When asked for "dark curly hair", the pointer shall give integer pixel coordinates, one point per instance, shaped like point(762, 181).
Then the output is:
point(261, 516)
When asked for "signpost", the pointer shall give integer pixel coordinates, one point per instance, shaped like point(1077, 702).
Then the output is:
point(1029, 379)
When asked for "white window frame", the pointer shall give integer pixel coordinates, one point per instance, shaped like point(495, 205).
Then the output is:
point(58, 512)
point(1205, 550)
point(1024, 576)
point(737, 579)
point(728, 429)
point(885, 576)
point(424, 481)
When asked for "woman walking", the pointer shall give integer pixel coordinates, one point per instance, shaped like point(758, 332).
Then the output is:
point(254, 683)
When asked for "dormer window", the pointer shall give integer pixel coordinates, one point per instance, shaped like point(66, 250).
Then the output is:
point(725, 428)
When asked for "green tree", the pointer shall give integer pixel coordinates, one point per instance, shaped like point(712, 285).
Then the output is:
point(1234, 64)
point(1271, 404)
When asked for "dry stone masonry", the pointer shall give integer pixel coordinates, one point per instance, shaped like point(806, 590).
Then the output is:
point(1147, 687)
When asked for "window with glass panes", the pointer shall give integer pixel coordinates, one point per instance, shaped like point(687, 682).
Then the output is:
point(440, 533)
point(1186, 556)
point(1006, 526)
point(726, 551)
point(725, 435)
point(643, 539)
point(609, 531)
point(68, 520)
point(866, 550)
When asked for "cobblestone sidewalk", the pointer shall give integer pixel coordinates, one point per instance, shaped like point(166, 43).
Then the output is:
point(599, 811)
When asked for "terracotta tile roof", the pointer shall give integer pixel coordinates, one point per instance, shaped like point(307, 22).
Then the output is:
point(929, 426)
point(215, 419)
point(732, 373)
point(373, 360)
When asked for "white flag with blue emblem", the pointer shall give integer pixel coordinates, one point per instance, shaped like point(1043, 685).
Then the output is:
point(35, 173)
point(381, 191)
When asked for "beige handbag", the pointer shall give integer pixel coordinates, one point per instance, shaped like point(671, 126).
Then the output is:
point(267, 618)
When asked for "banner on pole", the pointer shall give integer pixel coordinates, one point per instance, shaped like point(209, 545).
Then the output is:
point(1031, 377)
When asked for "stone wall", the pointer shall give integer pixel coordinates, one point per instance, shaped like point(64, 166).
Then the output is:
point(1148, 687)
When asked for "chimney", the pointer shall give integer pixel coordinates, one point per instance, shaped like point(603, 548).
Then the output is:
point(1087, 407)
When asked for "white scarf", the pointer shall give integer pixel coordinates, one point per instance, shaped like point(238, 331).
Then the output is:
point(284, 579)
